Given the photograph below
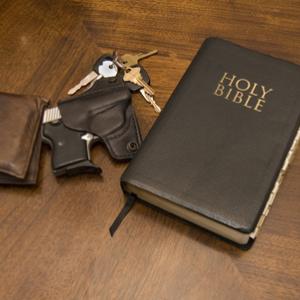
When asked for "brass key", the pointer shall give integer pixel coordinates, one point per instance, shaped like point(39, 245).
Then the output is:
point(130, 60)
point(134, 75)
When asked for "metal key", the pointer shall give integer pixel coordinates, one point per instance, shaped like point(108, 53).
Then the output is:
point(134, 75)
point(150, 100)
point(130, 60)
point(106, 69)
point(83, 82)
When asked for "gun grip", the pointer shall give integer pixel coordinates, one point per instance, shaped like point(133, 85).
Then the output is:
point(70, 151)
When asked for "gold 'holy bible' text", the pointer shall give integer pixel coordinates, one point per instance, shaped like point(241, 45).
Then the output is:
point(241, 91)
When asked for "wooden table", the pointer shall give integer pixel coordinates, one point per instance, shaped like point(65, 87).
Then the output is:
point(54, 240)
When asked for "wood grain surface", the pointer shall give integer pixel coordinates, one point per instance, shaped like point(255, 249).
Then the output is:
point(54, 240)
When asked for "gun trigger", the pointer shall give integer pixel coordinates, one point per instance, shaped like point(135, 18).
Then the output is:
point(89, 138)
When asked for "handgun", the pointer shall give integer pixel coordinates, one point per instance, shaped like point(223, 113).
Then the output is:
point(102, 116)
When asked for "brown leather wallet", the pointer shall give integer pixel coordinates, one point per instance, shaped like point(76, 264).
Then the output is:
point(20, 138)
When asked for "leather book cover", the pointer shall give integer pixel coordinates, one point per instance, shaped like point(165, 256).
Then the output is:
point(221, 141)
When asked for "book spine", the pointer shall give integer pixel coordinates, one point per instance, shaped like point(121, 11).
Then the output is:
point(277, 184)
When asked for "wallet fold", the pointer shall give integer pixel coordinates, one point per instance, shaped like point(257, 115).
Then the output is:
point(20, 138)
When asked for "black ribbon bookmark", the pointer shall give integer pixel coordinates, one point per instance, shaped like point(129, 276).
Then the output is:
point(123, 213)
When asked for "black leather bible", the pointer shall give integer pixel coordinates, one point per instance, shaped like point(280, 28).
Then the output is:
point(217, 153)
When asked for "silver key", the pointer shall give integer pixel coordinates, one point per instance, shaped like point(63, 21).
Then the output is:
point(106, 69)
point(83, 82)
point(150, 100)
